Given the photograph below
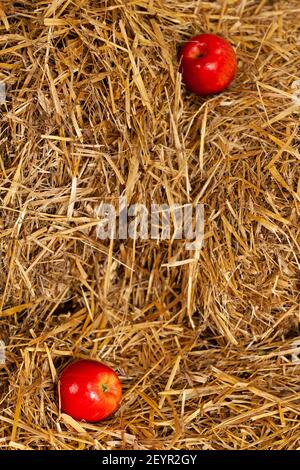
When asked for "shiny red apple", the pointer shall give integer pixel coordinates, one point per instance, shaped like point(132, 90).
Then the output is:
point(89, 390)
point(208, 64)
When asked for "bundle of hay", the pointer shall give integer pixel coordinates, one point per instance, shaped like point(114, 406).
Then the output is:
point(206, 341)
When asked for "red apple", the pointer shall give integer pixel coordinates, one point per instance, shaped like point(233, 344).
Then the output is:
point(208, 64)
point(89, 390)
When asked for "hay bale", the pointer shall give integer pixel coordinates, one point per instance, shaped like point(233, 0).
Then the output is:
point(206, 342)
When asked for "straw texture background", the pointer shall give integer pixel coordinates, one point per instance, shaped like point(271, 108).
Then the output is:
point(206, 343)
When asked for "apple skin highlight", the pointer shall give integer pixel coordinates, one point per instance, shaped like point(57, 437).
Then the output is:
point(208, 64)
point(89, 391)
